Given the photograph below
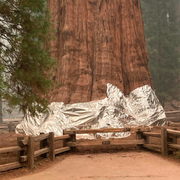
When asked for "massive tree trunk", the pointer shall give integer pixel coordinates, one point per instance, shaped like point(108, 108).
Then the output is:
point(98, 42)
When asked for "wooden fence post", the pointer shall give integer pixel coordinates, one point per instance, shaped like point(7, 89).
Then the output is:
point(73, 139)
point(43, 144)
point(138, 137)
point(146, 139)
point(10, 126)
point(51, 146)
point(173, 140)
point(31, 152)
point(164, 144)
point(64, 140)
point(20, 153)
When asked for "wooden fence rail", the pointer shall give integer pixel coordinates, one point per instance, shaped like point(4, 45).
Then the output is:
point(88, 131)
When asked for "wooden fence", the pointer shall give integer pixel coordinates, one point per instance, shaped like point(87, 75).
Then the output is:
point(8, 126)
point(27, 153)
point(138, 141)
point(168, 139)
point(173, 116)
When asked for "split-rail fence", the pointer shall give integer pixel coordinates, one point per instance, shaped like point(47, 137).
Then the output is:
point(8, 126)
point(26, 152)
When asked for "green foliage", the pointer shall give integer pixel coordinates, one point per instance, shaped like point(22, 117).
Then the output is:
point(25, 59)
point(162, 32)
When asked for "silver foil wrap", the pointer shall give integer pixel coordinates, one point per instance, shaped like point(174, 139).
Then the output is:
point(140, 108)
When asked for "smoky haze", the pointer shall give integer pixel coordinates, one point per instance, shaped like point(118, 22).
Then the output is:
point(162, 33)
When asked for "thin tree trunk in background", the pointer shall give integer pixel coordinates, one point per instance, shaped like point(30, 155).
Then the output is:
point(98, 42)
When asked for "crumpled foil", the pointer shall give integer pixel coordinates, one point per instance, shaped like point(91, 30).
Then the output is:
point(140, 108)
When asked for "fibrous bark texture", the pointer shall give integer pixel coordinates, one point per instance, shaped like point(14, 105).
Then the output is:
point(98, 42)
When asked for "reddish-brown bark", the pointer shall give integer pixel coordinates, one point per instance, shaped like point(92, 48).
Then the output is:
point(98, 42)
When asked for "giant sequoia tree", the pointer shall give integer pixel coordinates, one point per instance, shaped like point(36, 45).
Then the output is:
point(98, 42)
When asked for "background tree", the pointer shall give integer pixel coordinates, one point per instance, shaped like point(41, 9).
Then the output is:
point(25, 61)
point(162, 30)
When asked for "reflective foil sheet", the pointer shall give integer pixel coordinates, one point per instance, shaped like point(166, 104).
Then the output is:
point(140, 108)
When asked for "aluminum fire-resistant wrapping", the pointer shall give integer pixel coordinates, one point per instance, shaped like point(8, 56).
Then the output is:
point(140, 108)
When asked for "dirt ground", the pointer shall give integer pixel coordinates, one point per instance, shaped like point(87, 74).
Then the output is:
point(131, 165)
